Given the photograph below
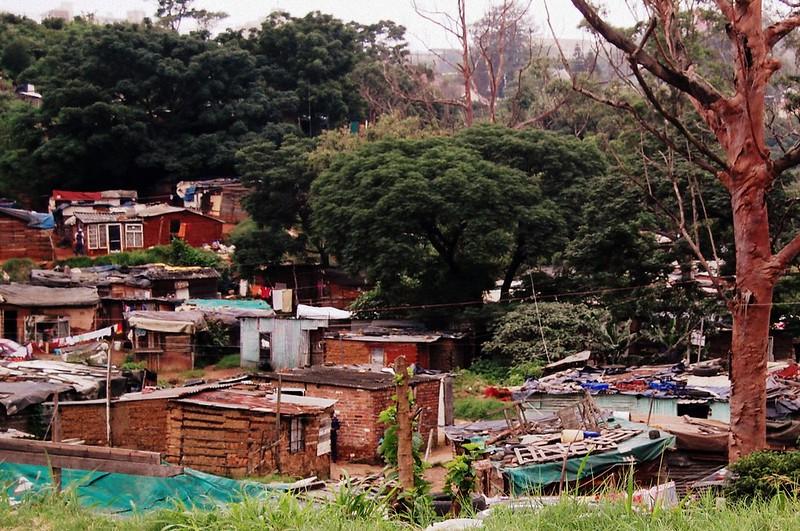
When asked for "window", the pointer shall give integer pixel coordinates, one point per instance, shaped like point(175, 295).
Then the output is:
point(174, 227)
point(134, 235)
point(91, 236)
point(296, 442)
point(376, 355)
point(102, 236)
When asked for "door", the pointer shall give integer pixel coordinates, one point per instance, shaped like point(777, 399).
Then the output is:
point(114, 238)
point(10, 325)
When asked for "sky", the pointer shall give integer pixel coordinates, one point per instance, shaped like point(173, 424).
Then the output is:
point(420, 33)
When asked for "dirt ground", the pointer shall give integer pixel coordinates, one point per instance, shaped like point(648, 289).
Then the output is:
point(434, 474)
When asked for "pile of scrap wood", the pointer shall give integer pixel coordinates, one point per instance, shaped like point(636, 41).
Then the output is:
point(543, 448)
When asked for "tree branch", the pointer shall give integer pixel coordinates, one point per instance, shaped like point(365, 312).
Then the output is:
point(776, 32)
point(701, 91)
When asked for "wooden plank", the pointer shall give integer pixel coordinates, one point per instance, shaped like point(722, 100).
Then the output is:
point(83, 463)
point(73, 450)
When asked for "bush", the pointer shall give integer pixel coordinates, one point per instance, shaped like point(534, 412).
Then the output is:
point(230, 361)
point(473, 408)
point(19, 269)
point(178, 253)
point(763, 475)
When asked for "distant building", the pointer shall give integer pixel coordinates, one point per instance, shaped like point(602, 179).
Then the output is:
point(27, 93)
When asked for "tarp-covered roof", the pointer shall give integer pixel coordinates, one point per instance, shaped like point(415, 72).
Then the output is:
point(44, 297)
point(35, 220)
point(16, 396)
point(187, 322)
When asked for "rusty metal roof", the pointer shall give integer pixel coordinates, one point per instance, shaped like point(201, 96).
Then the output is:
point(259, 401)
point(343, 376)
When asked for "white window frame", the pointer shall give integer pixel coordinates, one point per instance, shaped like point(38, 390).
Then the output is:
point(134, 232)
point(92, 241)
point(102, 236)
point(107, 226)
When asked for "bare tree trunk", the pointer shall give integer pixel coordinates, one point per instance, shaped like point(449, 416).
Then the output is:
point(466, 62)
point(405, 454)
point(751, 318)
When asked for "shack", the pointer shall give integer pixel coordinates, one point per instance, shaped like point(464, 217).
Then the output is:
point(26, 385)
point(113, 229)
point(219, 198)
point(165, 340)
point(278, 344)
point(151, 287)
point(40, 314)
point(428, 350)
point(25, 234)
point(361, 395)
point(225, 428)
point(232, 432)
point(311, 284)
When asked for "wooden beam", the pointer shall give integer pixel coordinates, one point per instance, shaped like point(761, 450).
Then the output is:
point(84, 463)
point(73, 450)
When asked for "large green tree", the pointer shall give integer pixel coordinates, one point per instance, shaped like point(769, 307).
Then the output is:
point(428, 220)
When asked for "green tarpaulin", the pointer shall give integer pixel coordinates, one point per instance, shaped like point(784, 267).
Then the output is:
point(121, 493)
point(639, 449)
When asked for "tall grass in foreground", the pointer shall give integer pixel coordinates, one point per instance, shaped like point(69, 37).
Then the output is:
point(346, 512)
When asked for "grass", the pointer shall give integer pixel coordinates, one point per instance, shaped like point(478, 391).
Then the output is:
point(350, 511)
point(194, 373)
point(18, 269)
point(474, 408)
point(178, 253)
point(231, 361)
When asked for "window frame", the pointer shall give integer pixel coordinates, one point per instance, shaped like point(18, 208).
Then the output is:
point(134, 230)
point(297, 442)
point(92, 240)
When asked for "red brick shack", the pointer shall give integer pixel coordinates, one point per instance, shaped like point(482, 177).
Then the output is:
point(216, 428)
point(428, 350)
point(361, 395)
point(232, 432)
point(163, 223)
point(25, 234)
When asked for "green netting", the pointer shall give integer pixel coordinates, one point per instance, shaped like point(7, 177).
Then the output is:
point(639, 449)
point(120, 493)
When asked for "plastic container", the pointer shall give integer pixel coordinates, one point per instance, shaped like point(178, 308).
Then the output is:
point(571, 436)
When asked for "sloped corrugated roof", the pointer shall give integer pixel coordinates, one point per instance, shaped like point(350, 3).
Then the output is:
point(43, 296)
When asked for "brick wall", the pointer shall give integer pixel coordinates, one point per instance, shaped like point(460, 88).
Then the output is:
point(236, 443)
point(199, 229)
point(137, 425)
point(17, 240)
point(360, 431)
point(342, 352)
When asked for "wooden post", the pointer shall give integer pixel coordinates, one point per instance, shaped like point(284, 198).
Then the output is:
point(108, 394)
point(405, 456)
point(277, 443)
point(56, 437)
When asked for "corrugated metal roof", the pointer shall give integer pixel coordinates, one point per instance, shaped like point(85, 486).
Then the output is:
point(259, 401)
point(343, 377)
point(392, 338)
point(162, 394)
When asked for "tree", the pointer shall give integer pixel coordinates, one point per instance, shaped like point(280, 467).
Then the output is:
point(428, 220)
point(564, 166)
point(16, 57)
point(743, 163)
point(457, 27)
point(547, 331)
point(171, 13)
point(501, 37)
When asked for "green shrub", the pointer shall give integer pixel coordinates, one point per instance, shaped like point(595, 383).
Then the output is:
point(763, 475)
point(473, 408)
point(178, 253)
point(230, 361)
point(19, 269)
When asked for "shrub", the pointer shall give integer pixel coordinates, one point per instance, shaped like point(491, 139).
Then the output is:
point(18, 269)
point(763, 475)
point(472, 408)
point(230, 361)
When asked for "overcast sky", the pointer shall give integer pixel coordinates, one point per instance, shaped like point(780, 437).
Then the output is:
point(421, 34)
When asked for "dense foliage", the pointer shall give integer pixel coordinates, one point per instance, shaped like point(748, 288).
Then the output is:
point(763, 475)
